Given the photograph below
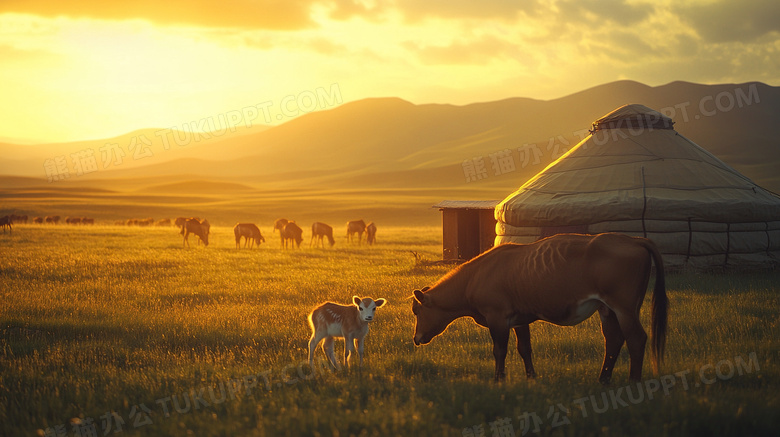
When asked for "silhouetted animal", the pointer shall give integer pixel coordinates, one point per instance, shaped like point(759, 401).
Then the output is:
point(192, 226)
point(292, 234)
point(250, 232)
point(356, 227)
point(371, 233)
point(319, 231)
point(279, 225)
point(5, 221)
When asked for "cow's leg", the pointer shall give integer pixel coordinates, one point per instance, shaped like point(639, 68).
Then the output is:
point(613, 342)
point(636, 339)
point(523, 334)
point(327, 347)
point(349, 346)
point(314, 341)
point(360, 349)
point(500, 336)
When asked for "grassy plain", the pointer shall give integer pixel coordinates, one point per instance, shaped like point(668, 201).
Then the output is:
point(100, 320)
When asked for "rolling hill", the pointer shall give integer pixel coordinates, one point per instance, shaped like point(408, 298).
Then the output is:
point(391, 144)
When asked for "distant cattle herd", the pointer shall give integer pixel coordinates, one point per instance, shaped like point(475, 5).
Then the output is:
point(291, 235)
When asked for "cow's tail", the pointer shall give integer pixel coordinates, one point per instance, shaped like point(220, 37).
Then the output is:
point(660, 307)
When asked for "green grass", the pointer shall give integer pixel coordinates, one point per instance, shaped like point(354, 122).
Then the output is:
point(101, 319)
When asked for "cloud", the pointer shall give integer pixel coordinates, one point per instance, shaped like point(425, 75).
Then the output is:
point(263, 14)
point(599, 11)
point(459, 9)
point(473, 51)
point(731, 21)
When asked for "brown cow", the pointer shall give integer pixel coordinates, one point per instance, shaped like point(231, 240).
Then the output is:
point(38, 220)
point(563, 280)
point(201, 229)
point(250, 232)
point(163, 222)
point(319, 231)
point(53, 219)
point(5, 221)
point(19, 218)
point(371, 233)
point(293, 234)
point(356, 227)
point(73, 220)
point(87, 221)
point(279, 224)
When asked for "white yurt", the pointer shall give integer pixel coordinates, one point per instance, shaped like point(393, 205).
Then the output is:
point(636, 175)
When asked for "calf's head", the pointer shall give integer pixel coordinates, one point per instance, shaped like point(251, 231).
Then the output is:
point(367, 307)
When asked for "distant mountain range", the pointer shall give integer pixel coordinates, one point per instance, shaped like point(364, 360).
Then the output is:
point(392, 144)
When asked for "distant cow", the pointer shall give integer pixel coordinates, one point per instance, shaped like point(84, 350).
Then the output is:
point(293, 234)
point(19, 218)
point(179, 222)
point(371, 233)
point(320, 231)
point(201, 229)
point(87, 221)
point(38, 220)
point(250, 232)
point(6, 221)
point(356, 227)
point(72, 220)
point(163, 222)
point(279, 225)
point(53, 219)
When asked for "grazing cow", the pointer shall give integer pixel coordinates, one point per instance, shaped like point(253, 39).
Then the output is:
point(87, 221)
point(279, 224)
point(349, 322)
point(201, 229)
point(293, 234)
point(19, 218)
point(371, 233)
point(356, 227)
point(179, 222)
point(38, 220)
point(5, 221)
point(321, 230)
point(72, 220)
point(163, 222)
point(53, 219)
point(250, 232)
point(563, 280)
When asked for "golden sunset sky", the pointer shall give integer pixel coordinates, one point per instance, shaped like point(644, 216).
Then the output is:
point(87, 69)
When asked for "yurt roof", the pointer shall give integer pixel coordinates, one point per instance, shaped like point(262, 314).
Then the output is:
point(634, 163)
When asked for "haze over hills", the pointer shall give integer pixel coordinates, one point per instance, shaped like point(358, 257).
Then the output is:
point(391, 144)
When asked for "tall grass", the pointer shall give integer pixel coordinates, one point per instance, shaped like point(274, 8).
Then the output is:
point(95, 320)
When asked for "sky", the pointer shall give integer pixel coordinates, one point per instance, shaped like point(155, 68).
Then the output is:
point(89, 69)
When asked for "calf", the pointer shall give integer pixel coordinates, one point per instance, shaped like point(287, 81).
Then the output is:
point(350, 322)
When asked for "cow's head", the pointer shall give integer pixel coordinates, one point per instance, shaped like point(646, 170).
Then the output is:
point(367, 307)
point(430, 321)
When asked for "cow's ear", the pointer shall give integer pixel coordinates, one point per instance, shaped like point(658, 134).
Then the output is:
point(424, 289)
point(422, 298)
point(380, 302)
point(356, 300)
